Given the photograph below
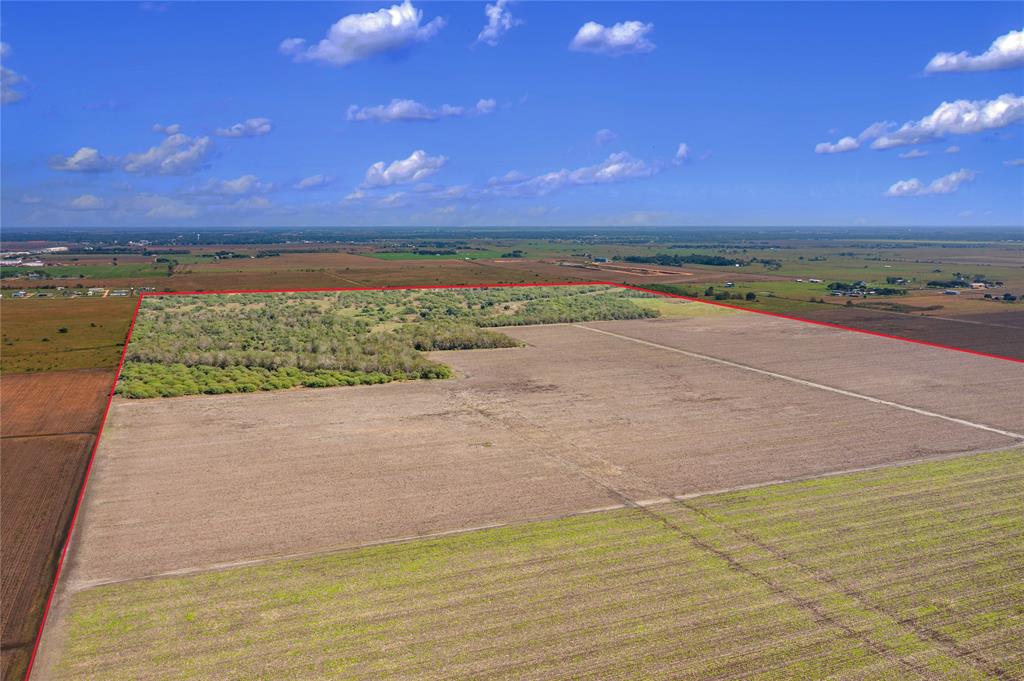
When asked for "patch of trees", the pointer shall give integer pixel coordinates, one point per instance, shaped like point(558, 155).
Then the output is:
point(514, 254)
point(948, 283)
point(670, 260)
point(184, 345)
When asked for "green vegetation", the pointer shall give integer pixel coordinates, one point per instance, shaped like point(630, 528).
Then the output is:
point(906, 572)
point(186, 345)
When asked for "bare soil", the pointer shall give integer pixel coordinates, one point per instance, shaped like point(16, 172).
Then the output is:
point(993, 335)
point(48, 421)
point(573, 421)
point(53, 402)
point(40, 479)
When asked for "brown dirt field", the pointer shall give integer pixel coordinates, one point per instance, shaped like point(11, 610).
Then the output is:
point(41, 478)
point(53, 402)
point(936, 379)
point(987, 337)
point(575, 420)
point(48, 422)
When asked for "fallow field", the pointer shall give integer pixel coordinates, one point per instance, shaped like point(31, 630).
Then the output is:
point(540, 483)
point(49, 422)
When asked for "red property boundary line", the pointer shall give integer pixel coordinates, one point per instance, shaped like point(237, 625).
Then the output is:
point(138, 305)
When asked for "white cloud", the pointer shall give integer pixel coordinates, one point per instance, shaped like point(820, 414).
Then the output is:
point(247, 205)
point(962, 117)
point(240, 186)
point(29, 199)
point(411, 110)
point(359, 36)
point(605, 136)
point(1014, 162)
point(357, 195)
point(417, 167)
point(156, 207)
point(952, 149)
point(313, 182)
point(682, 153)
point(499, 22)
point(9, 78)
point(843, 145)
point(913, 153)
point(172, 129)
point(1006, 51)
point(88, 202)
point(85, 160)
point(617, 167)
point(947, 184)
point(627, 37)
point(177, 155)
point(251, 127)
point(392, 200)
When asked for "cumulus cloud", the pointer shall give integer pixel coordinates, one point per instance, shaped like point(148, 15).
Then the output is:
point(411, 110)
point(172, 129)
point(416, 168)
point(947, 184)
point(914, 153)
point(499, 22)
point(178, 154)
point(88, 202)
point(627, 37)
point(962, 117)
point(313, 182)
point(618, 167)
point(360, 36)
point(85, 160)
point(682, 153)
point(843, 145)
point(605, 136)
point(9, 79)
point(251, 127)
point(240, 186)
point(1006, 51)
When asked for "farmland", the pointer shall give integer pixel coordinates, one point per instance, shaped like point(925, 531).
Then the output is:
point(49, 421)
point(242, 343)
point(558, 402)
point(789, 581)
point(93, 333)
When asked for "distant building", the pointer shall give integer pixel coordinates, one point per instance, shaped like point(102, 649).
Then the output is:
point(977, 285)
point(814, 281)
point(119, 292)
point(600, 259)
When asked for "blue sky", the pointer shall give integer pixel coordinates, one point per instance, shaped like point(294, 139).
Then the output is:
point(417, 114)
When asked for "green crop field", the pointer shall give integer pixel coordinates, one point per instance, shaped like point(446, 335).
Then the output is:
point(907, 572)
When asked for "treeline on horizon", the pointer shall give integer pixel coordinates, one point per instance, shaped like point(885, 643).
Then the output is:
point(678, 260)
point(221, 343)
